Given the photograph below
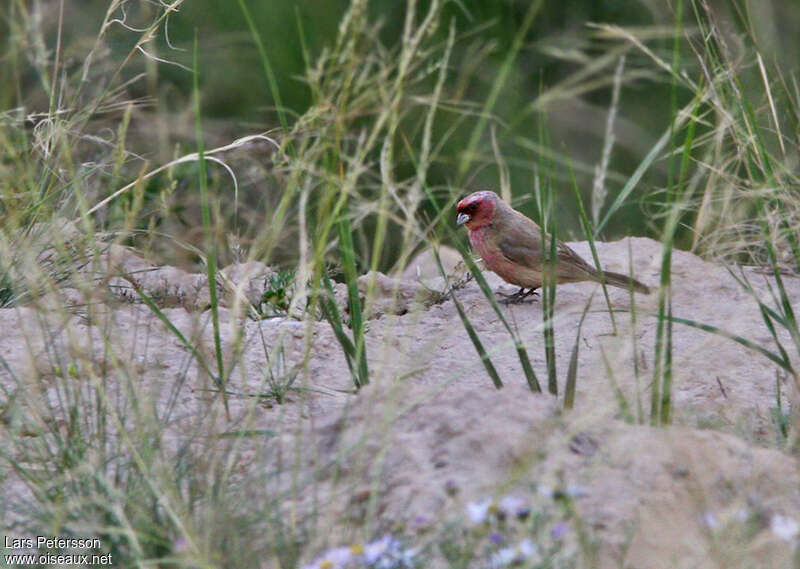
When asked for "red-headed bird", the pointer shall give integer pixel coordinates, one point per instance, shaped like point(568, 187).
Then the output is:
point(511, 245)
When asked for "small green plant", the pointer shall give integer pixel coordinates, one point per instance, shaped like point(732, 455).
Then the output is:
point(356, 360)
point(280, 377)
point(6, 290)
point(277, 295)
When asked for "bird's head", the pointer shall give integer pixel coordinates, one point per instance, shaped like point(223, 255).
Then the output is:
point(477, 209)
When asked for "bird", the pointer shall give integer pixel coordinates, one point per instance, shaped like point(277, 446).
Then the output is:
point(510, 244)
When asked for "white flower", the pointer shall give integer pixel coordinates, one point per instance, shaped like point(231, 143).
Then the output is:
point(401, 560)
point(384, 553)
point(336, 558)
point(527, 548)
point(379, 548)
point(502, 558)
point(710, 520)
point(512, 506)
point(523, 551)
point(388, 553)
point(477, 512)
point(576, 491)
point(784, 527)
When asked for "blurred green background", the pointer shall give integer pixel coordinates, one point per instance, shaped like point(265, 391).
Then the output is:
point(559, 83)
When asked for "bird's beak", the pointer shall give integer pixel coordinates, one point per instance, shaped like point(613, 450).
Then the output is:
point(462, 218)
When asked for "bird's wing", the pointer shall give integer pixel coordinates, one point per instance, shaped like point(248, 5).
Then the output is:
point(521, 254)
point(523, 246)
point(570, 257)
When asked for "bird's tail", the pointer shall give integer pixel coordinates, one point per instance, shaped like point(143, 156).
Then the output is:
point(624, 281)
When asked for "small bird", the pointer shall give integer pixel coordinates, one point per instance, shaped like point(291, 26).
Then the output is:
point(511, 245)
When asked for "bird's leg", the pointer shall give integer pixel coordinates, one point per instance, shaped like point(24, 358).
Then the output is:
point(519, 296)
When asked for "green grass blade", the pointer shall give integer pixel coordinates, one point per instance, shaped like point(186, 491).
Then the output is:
point(767, 313)
point(785, 301)
point(773, 357)
point(211, 247)
point(543, 192)
point(522, 353)
point(634, 343)
point(330, 312)
point(632, 182)
point(548, 309)
point(356, 316)
point(473, 336)
point(172, 328)
point(622, 401)
point(262, 53)
point(590, 237)
point(248, 433)
point(665, 412)
point(673, 203)
point(497, 87)
point(782, 420)
point(572, 370)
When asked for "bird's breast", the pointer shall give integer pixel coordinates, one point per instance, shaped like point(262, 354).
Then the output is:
point(480, 242)
point(484, 241)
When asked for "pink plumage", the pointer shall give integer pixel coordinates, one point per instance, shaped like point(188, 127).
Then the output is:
point(511, 245)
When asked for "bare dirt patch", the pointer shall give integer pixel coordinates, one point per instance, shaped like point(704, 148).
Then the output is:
point(430, 434)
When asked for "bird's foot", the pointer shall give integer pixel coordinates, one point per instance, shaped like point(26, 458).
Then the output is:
point(519, 297)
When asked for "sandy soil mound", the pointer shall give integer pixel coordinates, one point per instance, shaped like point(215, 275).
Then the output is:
point(430, 435)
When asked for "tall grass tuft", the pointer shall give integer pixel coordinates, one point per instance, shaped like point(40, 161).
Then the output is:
point(348, 182)
point(361, 377)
